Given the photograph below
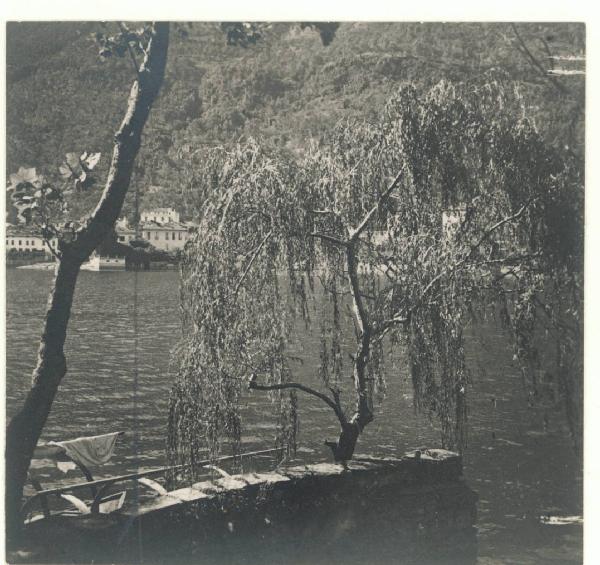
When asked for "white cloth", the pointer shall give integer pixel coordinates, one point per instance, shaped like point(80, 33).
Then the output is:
point(93, 450)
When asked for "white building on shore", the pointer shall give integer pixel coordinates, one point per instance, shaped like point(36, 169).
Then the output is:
point(161, 227)
point(170, 236)
point(24, 239)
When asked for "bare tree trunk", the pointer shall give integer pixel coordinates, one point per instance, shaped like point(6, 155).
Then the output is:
point(343, 450)
point(26, 426)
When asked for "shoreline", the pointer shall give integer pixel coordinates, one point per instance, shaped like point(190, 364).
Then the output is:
point(37, 266)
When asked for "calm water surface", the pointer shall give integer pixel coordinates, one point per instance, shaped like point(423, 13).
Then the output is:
point(518, 461)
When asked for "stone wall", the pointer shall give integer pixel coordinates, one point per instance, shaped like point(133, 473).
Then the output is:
point(416, 509)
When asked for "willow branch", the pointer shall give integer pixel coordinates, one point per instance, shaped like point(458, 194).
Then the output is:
point(507, 260)
point(331, 290)
point(473, 247)
point(355, 234)
point(499, 224)
point(382, 328)
point(359, 308)
point(330, 239)
point(251, 262)
point(323, 212)
point(363, 414)
point(335, 406)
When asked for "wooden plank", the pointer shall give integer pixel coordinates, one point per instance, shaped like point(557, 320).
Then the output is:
point(134, 476)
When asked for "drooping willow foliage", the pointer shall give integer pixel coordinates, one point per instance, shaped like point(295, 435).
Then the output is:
point(235, 318)
point(451, 204)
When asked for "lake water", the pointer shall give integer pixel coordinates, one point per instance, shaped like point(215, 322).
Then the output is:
point(519, 461)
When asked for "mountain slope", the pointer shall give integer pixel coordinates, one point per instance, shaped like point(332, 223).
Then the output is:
point(286, 89)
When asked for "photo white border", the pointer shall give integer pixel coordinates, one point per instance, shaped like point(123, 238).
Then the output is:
point(376, 10)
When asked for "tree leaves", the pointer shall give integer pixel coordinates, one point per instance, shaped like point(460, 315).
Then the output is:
point(118, 44)
point(22, 186)
point(243, 34)
point(463, 156)
point(42, 201)
point(76, 167)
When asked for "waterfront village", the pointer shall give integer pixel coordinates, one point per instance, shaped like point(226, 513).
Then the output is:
point(153, 244)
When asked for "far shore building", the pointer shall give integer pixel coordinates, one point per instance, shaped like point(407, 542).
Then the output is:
point(161, 227)
point(169, 236)
point(26, 240)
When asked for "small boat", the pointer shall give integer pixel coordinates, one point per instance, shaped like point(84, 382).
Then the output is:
point(111, 503)
point(76, 453)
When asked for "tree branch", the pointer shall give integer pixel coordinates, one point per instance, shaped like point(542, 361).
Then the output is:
point(51, 249)
point(251, 262)
point(355, 234)
point(47, 227)
point(363, 415)
point(382, 328)
point(136, 68)
point(473, 247)
point(330, 239)
point(323, 212)
point(535, 62)
point(547, 49)
point(335, 392)
point(507, 260)
point(331, 290)
point(335, 406)
point(499, 224)
point(127, 142)
point(359, 309)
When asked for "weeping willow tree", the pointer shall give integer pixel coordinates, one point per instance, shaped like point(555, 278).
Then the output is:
point(451, 206)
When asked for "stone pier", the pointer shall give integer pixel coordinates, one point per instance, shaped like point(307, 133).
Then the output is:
point(414, 509)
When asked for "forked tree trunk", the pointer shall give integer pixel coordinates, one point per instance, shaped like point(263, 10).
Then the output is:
point(343, 449)
point(26, 426)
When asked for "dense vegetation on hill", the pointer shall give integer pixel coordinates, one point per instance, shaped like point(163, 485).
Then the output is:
point(287, 89)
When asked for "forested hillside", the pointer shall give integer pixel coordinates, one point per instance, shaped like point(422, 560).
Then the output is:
point(287, 89)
